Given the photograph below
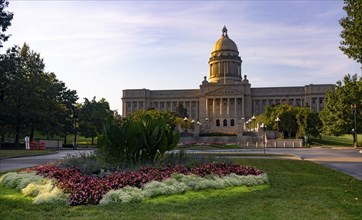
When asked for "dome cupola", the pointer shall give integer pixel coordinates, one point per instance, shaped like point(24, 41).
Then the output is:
point(225, 62)
point(225, 43)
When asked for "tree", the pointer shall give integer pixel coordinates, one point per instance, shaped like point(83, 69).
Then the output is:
point(169, 117)
point(32, 97)
point(5, 21)
point(308, 122)
point(336, 116)
point(92, 116)
point(67, 104)
point(287, 115)
point(181, 111)
point(351, 45)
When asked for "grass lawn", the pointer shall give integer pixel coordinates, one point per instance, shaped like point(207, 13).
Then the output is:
point(17, 153)
point(343, 140)
point(298, 190)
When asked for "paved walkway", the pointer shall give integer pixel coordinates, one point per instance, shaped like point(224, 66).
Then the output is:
point(24, 162)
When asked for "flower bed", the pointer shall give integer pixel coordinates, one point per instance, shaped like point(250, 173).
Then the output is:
point(86, 189)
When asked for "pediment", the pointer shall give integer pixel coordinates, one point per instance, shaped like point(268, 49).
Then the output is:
point(225, 91)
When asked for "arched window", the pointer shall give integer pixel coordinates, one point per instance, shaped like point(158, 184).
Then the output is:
point(225, 122)
point(232, 123)
point(218, 122)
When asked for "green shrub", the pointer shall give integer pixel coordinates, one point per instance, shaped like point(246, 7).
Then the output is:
point(133, 141)
point(42, 189)
point(55, 196)
point(19, 180)
point(36, 188)
point(191, 160)
point(87, 163)
point(127, 194)
point(168, 187)
point(180, 183)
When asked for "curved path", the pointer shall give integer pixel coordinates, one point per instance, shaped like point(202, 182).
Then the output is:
point(30, 161)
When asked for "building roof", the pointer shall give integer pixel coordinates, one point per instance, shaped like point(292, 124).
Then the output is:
point(224, 43)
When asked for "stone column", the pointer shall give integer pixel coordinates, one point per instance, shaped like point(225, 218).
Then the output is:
point(228, 106)
point(243, 106)
point(207, 107)
point(318, 104)
point(235, 107)
point(213, 106)
point(220, 106)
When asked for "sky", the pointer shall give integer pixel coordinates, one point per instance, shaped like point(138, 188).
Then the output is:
point(100, 48)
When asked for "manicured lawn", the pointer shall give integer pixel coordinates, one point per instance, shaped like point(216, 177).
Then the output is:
point(16, 153)
point(343, 140)
point(298, 190)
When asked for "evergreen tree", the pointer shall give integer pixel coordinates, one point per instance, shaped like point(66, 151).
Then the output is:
point(337, 116)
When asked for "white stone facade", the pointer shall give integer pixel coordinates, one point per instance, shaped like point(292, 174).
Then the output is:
point(226, 100)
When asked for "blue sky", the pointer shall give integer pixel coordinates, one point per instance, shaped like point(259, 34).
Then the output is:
point(100, 48)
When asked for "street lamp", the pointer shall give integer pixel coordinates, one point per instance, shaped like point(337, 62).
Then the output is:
point(75, 116)
point(354, 111)
point(277, 120)
point(185, 120)
point(263, 128)
point(253, 120)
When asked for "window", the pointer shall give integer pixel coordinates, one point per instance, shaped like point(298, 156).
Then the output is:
point(217, 122)
point(225, 122)
point(232, 123)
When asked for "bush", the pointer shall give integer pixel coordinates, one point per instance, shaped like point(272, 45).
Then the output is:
point(133, 141)
point(179, 183)
point(190, 160)
point(42, 189)
point(125, 195)
point(87, 163)
point(19, 180)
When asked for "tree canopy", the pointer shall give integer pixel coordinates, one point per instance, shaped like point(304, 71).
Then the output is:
point(92, 116)
point(32, 98)
point(294, 121)
point(337, 116)
point(5, 21)
point(351, 34)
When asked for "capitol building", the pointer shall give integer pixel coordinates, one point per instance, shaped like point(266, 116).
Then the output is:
point(225, 99)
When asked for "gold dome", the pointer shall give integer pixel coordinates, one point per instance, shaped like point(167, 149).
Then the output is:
point(224, 43)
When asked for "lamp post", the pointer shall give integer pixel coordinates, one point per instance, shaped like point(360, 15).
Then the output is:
point(185, 120)
point(354, 111)
point(263, 128)
point(75, 116)
point(253, 120)
point(277, 120)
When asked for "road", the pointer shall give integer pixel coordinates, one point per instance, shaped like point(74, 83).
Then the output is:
point(348, 161)
point(24, 162)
